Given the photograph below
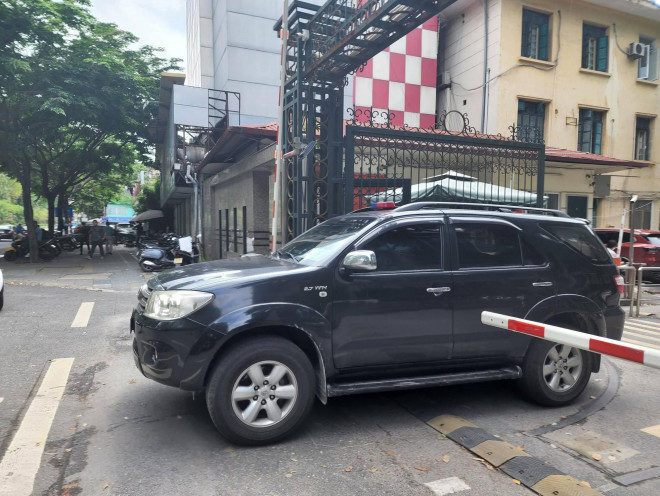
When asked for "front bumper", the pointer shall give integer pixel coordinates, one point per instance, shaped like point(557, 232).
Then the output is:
point(169, 352)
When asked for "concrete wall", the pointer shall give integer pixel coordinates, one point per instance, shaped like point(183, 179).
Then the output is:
point(463, 58)
point(245, 183)
point(199, 33)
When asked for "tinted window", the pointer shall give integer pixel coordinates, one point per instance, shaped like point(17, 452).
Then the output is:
point(487, 245)
point(530, 255)
point(581, 239)
point(414, 247)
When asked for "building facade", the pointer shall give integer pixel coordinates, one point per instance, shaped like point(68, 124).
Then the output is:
point(581, 75)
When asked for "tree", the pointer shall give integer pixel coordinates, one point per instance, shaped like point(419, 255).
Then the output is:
point(74, 111)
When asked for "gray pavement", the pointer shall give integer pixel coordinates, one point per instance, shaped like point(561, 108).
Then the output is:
point(117, 433)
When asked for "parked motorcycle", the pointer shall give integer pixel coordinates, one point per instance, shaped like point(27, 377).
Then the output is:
point(167, 253)
point(68, 242)
point(20, 247)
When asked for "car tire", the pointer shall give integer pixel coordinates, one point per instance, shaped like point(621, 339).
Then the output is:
point(2, 297)
point(554, 374)
point(242, 372)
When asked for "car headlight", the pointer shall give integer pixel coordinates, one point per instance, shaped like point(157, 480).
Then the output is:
point(172, 305)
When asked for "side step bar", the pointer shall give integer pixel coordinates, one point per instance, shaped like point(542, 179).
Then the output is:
point(377, 386)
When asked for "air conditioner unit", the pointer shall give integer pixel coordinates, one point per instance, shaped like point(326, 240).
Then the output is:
point(637, 50)
point(176, 166)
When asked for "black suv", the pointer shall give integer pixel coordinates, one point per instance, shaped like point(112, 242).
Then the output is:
point(379, 300)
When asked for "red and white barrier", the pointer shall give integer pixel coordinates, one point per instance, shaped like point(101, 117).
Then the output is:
point(581, 340)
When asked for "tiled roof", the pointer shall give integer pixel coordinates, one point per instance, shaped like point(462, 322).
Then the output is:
point(575, 157)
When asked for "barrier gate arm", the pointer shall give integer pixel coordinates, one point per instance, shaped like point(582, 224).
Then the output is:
point(581, 340)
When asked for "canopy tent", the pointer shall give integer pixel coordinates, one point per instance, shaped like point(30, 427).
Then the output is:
point(457, 187)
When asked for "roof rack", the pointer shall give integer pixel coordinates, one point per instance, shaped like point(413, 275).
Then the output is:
point(481, 206)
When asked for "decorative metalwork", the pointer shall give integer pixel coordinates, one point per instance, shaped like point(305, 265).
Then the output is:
point(456, 164)
point(346, 33)
point(527, 134)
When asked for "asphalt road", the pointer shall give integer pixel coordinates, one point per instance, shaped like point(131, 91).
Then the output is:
point(116, 433)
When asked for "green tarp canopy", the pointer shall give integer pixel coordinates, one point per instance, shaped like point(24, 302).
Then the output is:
point(457, 188)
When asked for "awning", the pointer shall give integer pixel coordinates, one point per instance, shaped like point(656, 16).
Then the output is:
point(463, 189)
point(148, 215)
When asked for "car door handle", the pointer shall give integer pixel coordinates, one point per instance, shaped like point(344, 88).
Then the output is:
point(542, 284)
point(438, 291)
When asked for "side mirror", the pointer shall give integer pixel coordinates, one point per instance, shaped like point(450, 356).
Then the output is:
point(360, 261)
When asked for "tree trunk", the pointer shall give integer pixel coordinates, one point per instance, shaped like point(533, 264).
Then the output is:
point(51, 211)
point(62, 210)
point(26, 183)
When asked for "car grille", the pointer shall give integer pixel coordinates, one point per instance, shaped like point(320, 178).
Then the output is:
point(143, 296)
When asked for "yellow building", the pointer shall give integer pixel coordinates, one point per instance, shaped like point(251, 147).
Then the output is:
point(583, 75)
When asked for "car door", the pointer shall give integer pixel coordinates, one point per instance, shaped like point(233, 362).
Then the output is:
point(498, 270)
point(401, 312)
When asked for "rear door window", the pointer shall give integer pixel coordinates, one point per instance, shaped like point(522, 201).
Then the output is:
point(582, 240)
point(487, 245)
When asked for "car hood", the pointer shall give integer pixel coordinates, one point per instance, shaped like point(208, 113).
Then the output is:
point(211, 275)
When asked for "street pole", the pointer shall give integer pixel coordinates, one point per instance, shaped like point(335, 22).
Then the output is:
point(277, 187)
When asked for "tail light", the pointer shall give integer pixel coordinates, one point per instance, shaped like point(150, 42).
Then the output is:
point(618, 280)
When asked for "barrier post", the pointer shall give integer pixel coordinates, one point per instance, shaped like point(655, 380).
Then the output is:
point(576, 339)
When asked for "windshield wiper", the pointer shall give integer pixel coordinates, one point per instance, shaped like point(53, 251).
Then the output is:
point(286, 254)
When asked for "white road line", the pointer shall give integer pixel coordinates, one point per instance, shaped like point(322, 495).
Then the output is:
point(450, 485)
point(643, 323)
point(640, 343)
point(83, 315)
point(21, 463)
point(642, 334)
point(639, 330)
point(1, 400)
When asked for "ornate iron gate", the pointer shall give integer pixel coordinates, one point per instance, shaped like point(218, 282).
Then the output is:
point(451, 162)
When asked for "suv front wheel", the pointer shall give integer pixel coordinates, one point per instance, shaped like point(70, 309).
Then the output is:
point(554, 374)
point(260, 391)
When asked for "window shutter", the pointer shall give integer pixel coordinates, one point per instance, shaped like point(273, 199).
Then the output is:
point(584, 131)
point(601, 60)
point(543, 40)
point(525, 49)
point(598, 132)
point(585, 47)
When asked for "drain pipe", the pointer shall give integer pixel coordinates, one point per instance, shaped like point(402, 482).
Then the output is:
point(485, 84)
point(190, 178)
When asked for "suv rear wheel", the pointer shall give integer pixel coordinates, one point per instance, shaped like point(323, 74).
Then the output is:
point(554, 374)
point(260, 391)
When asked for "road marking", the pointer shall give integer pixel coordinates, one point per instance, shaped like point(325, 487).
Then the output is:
point(83, 315)
point(637, 334)
point(1, 400)
point(654, 430)
point(450, 485)
point(641, 329)
point(640, 343)
point(20, 464)
point(643, 323)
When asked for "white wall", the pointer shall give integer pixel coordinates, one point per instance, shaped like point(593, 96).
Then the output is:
point(464, 60)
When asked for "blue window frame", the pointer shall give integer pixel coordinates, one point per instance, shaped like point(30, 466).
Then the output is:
point(531, 121)
point(594, 48)
point(535, 29)
point(590, 131)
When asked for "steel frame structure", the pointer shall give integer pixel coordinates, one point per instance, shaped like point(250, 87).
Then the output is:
point(325, 45)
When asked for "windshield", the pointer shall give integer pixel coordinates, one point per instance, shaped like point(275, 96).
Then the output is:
point(323, 242)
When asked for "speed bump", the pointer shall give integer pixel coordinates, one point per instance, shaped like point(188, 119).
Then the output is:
point(515, 462)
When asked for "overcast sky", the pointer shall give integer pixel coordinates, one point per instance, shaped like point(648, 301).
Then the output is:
point(160, 23)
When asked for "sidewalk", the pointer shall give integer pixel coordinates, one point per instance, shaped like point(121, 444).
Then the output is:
point(118, 272)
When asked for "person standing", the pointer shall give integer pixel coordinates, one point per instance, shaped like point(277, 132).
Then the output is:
point(39, 232)
point(96, 237)
point(109, 237)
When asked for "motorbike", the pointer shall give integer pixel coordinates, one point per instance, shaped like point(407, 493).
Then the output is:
point(20, 247)
point(167, 253)
point(67, 242)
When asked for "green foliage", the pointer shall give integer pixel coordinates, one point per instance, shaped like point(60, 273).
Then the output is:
point(149, 197)
point(73, 90)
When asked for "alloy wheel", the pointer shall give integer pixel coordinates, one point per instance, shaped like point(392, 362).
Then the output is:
point(264, 394)
point(562, 367)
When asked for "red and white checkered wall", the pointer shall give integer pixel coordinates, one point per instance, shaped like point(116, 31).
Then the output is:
point(402, 79)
